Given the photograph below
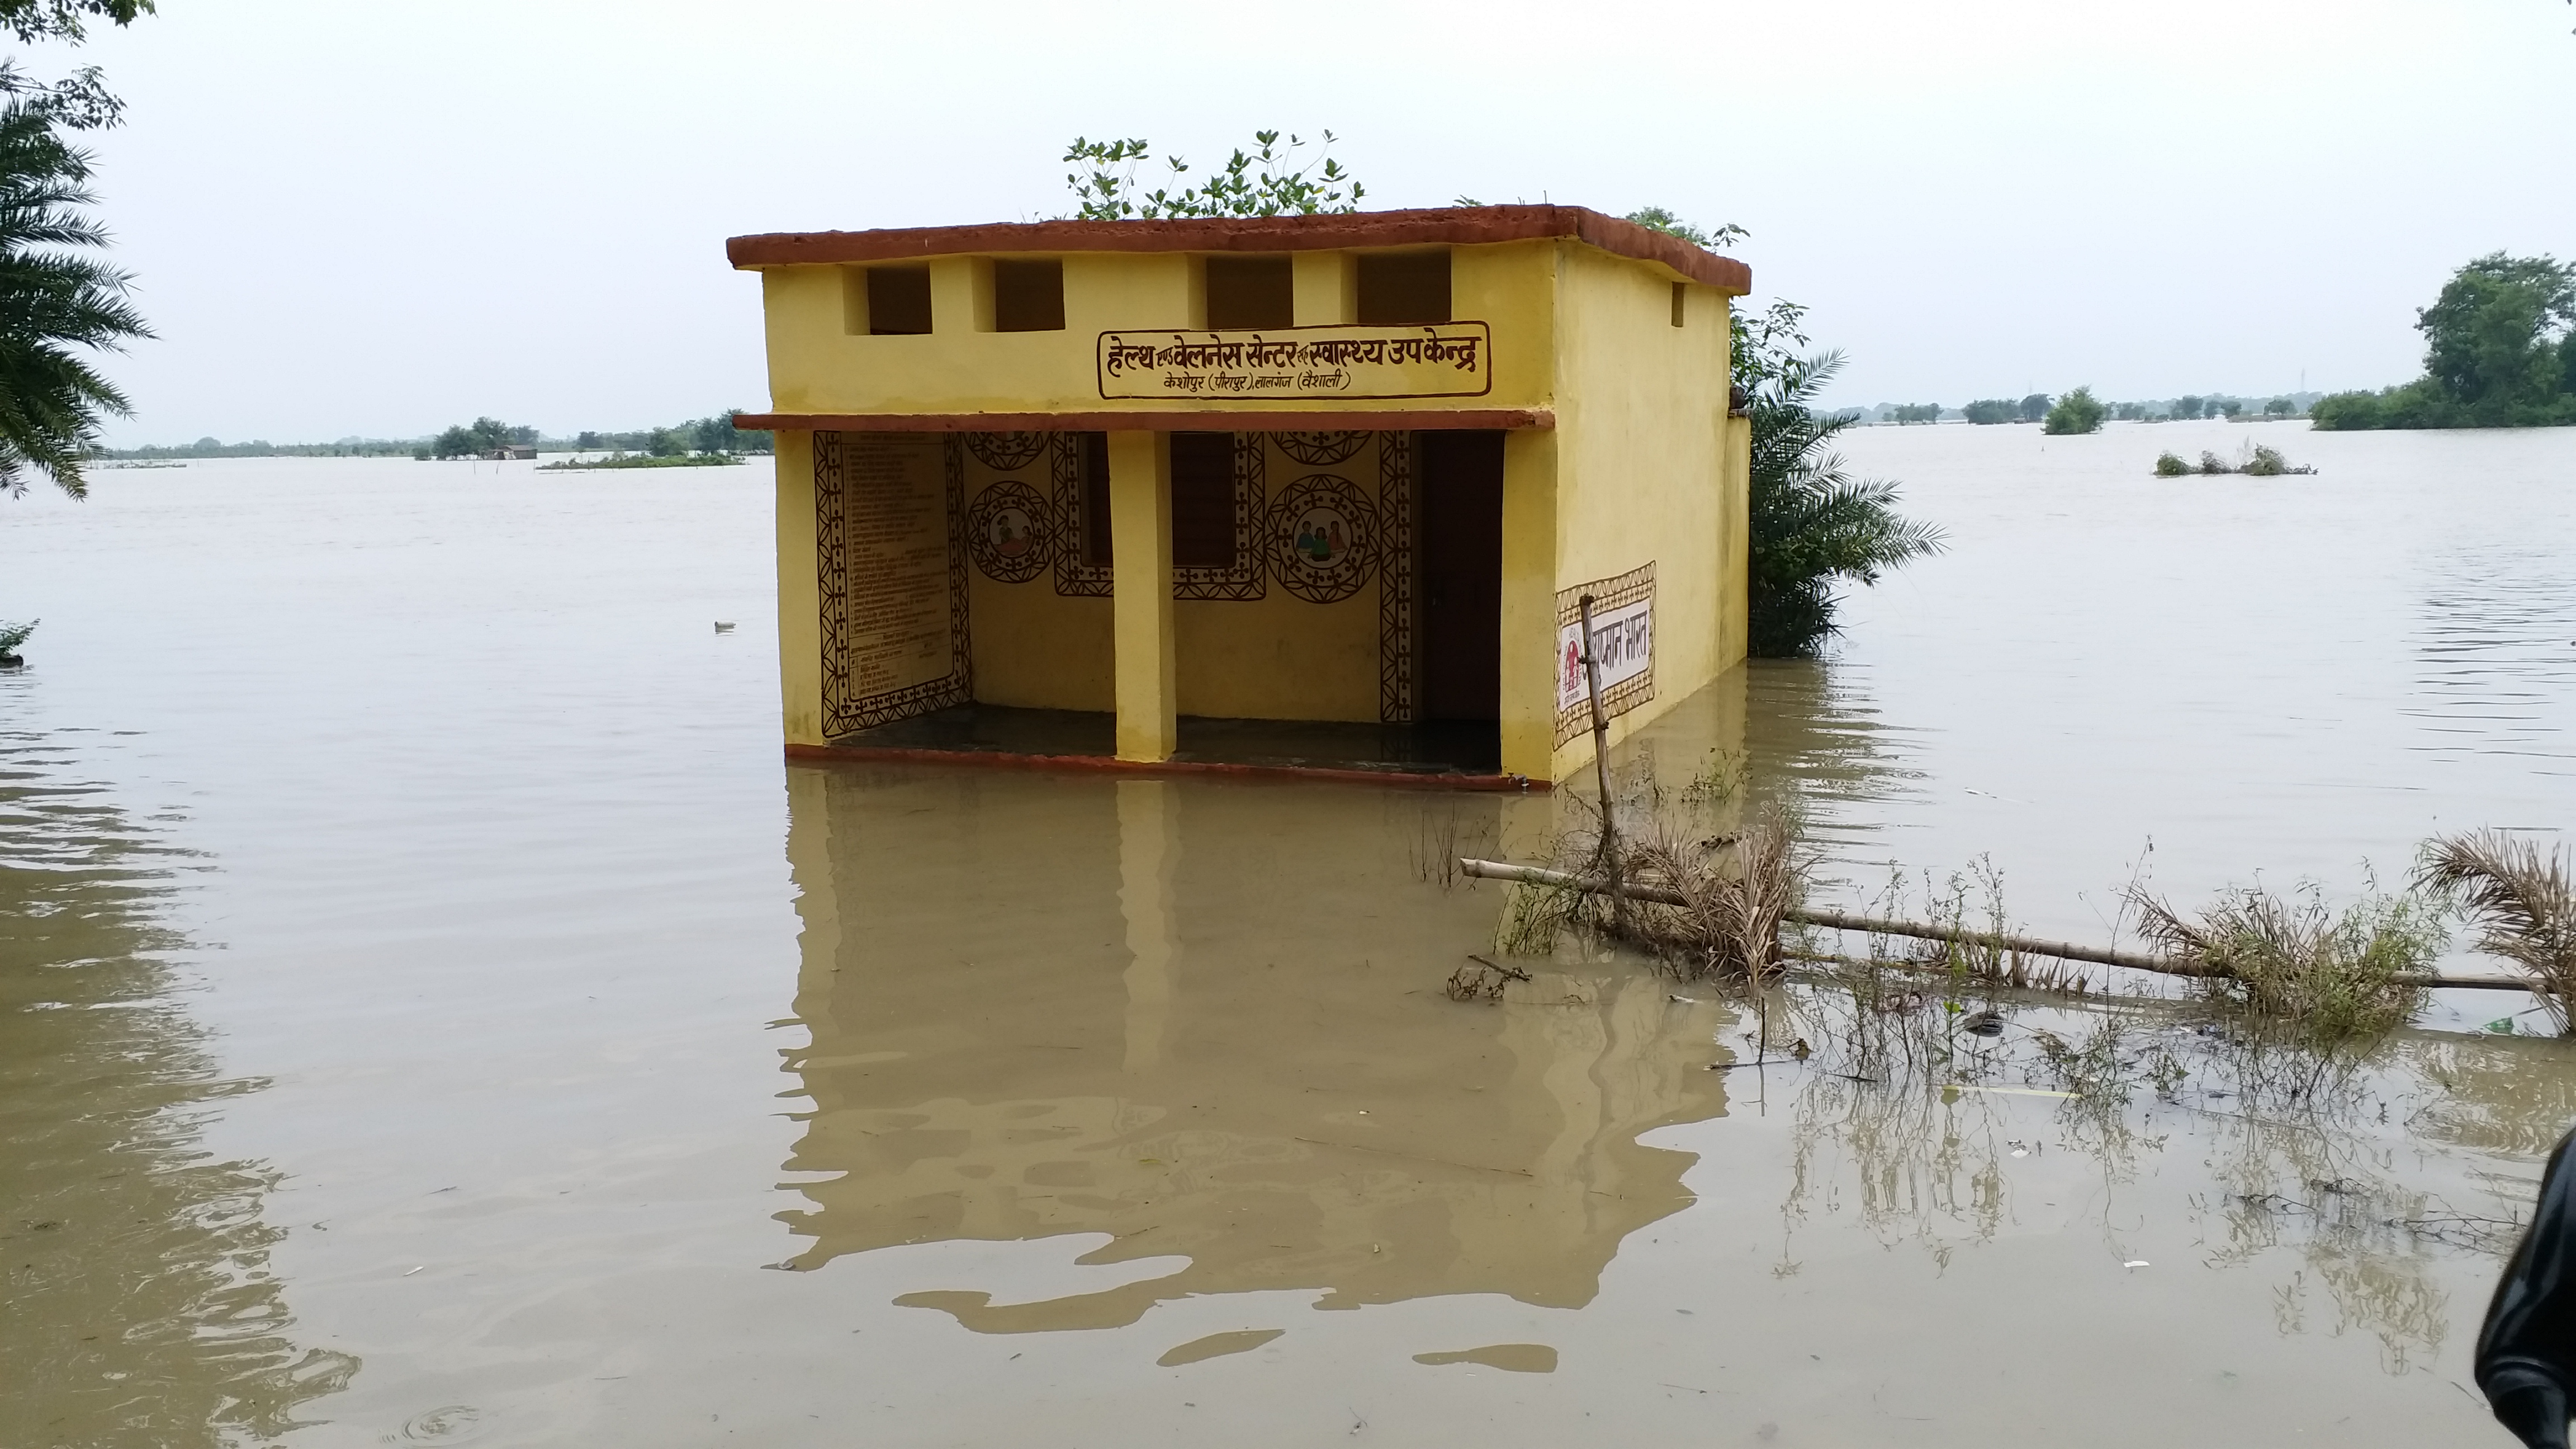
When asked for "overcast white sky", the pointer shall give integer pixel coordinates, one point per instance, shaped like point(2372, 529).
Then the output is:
point(381, 218)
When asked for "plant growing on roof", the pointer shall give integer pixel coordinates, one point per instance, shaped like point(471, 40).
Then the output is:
point(1263, 182)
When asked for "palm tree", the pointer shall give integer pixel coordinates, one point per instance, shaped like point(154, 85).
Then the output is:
point(51, 302)
point(1813, 524)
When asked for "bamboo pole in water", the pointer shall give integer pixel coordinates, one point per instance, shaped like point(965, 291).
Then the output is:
point(1601, 767)
point(1876, 926)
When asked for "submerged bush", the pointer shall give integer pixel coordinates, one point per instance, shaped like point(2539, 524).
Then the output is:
point(2334, 975)
point(2213, 464)
point(2171, 465)
point(2266, 463)
point(13, 635)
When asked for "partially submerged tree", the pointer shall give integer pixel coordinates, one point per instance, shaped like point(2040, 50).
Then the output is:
point(2077, 412)
point(2499, 351)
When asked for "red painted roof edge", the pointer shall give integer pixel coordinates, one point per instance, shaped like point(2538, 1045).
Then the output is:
point(1452, 226)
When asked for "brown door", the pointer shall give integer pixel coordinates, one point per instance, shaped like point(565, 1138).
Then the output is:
point(1460, 545)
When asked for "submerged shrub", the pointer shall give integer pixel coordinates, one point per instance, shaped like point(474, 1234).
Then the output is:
point(2171, 465)
point(2266, 463)
point(2213, 464)
point(2334, 975)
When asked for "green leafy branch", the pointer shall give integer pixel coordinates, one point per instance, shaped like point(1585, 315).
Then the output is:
point(1263, 182)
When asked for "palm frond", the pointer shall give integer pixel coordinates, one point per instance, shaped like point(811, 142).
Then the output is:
point(2522, 903)
point(53, 300)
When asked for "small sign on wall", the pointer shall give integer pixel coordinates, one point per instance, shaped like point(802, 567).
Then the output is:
point(1623, 632)
point(1447, 359)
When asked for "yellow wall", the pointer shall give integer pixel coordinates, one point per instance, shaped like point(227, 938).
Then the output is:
point(1641, 470)
point(817, 366)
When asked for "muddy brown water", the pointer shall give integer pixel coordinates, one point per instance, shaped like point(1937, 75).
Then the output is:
point(431, 1013)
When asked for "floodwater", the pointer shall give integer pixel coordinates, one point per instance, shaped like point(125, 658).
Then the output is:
point(430, 1011)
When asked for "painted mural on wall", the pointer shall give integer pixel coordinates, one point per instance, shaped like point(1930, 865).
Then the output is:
point(1623, 632)
point(892, 574)
point(1325, 537)
point(1010, 531)
point(1447, 359)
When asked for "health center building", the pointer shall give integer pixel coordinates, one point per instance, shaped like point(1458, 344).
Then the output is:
point(1318, 493)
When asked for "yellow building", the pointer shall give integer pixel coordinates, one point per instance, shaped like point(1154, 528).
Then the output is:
point(1302, 491)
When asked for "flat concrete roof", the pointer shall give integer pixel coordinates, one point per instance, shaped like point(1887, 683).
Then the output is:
point(1323, 231)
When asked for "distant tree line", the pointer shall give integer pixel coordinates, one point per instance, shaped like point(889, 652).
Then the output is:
point(2037, 407)
point(2499, 352)
point(481, 438)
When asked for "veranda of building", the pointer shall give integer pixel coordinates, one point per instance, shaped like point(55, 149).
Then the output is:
point(1172, 492)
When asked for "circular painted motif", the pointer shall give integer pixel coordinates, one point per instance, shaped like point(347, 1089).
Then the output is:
point(1006, 452)
point(1007, 532)
point(1317, 450)
point(1323, 538)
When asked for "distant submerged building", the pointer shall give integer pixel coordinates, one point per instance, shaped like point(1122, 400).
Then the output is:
point(1318, 491)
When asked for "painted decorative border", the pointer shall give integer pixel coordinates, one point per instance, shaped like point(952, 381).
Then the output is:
point(842, 713)
point(1037, 537)
point(1245, 581)
point(1320, 450)
point(1006, 452)
point(1074, 579)
point(1607, 594)
point(1394, 577)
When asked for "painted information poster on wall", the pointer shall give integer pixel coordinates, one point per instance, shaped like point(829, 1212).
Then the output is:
point(893, 626)
point(1623, 633)
point(1448, 359)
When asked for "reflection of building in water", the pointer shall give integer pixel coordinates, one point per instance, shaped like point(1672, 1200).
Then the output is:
point(1205, 1019)
point(1097, 488)
point(141, 1310)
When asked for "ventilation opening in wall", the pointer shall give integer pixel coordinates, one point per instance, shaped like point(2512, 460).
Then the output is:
point(1203, 500)
point(1681, 295)
point(1028, 296)
point(898, 301)
point(1400, 287)
point(1250, 293)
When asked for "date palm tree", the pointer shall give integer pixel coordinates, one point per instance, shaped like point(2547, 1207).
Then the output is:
point(1813, 525)
point(57, 306)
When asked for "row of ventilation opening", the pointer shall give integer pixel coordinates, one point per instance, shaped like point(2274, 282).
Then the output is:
point(1242, 293)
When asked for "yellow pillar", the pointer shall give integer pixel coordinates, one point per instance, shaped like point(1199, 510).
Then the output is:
point(800, 593)
point(1140, 546)
point(1529, 603)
